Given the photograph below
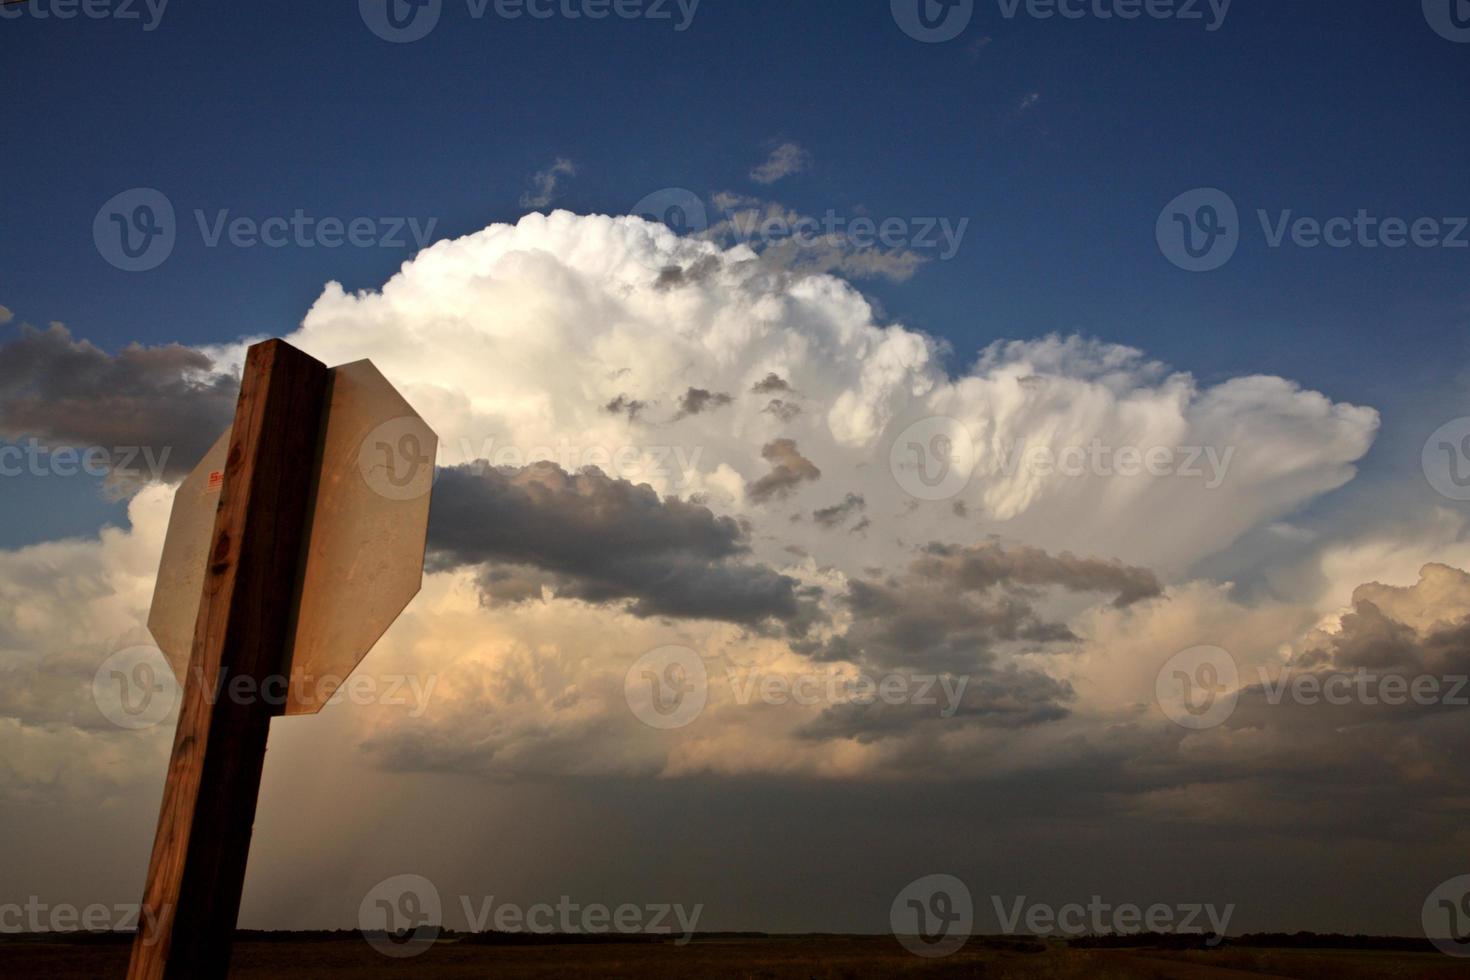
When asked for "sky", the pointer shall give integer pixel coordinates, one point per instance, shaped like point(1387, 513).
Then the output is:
point(855, 327)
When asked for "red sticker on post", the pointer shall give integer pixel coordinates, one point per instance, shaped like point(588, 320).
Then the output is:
point(215, 482)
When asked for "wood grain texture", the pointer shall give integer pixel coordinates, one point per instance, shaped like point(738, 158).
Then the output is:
point(197, 870)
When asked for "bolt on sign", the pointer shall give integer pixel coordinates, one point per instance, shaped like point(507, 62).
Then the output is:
point(291, 548)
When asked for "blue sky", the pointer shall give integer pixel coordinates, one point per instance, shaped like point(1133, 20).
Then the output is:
point(1059, 141)
point(258, 109)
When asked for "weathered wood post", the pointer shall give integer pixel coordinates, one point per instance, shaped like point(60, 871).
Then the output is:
point(197, 870)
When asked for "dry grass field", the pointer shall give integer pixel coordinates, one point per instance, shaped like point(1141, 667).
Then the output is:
point(823, 958)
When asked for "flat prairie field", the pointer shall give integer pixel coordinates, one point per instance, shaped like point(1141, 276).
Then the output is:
point(767, 957)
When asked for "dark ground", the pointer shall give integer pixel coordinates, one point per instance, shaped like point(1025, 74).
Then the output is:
point(765, 957)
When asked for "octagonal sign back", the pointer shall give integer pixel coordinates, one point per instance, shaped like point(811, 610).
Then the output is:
point(364, 556)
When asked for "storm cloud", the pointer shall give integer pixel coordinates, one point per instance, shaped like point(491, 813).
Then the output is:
point(602, 540)
point(953, 606)
point(698, 400)
point(789, 469)
point(67, 392)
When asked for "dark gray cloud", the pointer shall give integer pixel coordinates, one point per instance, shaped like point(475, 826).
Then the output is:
point(68, 392)
point(697, 400)
point(674, 277)
point(837, 514)
point(1010, 698)
point(1326, 747)
point(623, 405)
point(981, 567)
point(953, 606)
point(590, 537)
point(789, 468)
point(1378, 668)
point(770, 384)
point(1372, 638)
point(783, 410)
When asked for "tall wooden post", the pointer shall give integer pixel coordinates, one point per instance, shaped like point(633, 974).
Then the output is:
point(197, 871)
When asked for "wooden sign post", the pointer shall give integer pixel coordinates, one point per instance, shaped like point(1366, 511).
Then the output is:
point(318, 473)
